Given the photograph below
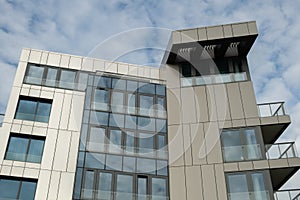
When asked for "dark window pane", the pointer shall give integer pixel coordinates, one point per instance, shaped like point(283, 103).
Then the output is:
point(35, 151)
point(145, 166)
point(35, 75)
point(159, 187)
point(161, 90)
point(43, 112)
point(129, 164)
point(26, 110)
point(104, 187)
point(9, 188)
point(94, 160)
point(88, 185)
point(102, 81)
point(119, 84)
point(101, 99)
point(67, 79)
point(148, 88)
point(145, 123)
point(99, 118)
point(124, 187)
point(116, 120)
point(97, 139)
point(17, 149)
point(132, 85)
point(51, 77)
point(27, 190)
point(130, 122)
point(113, 162)
point(186, 70)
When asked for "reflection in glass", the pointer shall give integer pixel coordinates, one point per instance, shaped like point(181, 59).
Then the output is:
point(35, 75)
point(259, 186)
point(43, 112)
point(118, 84)
point(145, 165)
point(142, 188)
point(99, 118)
point(146, 142)
point(115, 141)
point(232, 145)
point(159, 187)
point(116, 120)
point(26, 110)
point(17, 149)
point(35, 151)
point(104, 186)
point(146, 105)
point(129, 164)
point(131, 99)
point(162, 167)
point(51, 77)
point(94, 160)
point(97, 139)
point(27, 190)
point(130, 122)
point(145, 123)
point(67, 79)
point(161, 125)
point(82, 81)
point(129, 142)
point(100, 99)
point(113, 162)
point(253, 152)
point(161, 90)
point(88, 185)
point(132, 85)
point(102, 81)
point(117, 102)
point(9, 188)
point(147, 88)
point(124, 190)
point(238, 186)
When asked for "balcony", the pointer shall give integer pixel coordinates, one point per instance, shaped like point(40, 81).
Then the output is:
point(100, 195)
point(1, 119)
point(213, 79)
point(293, 194)
point(271, 109)
point(265, 195)
point(281, 150)
point(274, 120)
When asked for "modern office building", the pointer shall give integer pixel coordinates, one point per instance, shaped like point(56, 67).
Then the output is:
point(84, 128)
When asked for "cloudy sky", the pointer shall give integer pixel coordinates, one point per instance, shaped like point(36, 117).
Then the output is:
point(105, 29)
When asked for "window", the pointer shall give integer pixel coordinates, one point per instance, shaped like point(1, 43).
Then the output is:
point(33, 109)
point(17, 189)
point(55, 77)
point(248, 185)
point(142, 188)
point(101, 99)
point(241, 144)
point(124, 188)
point(26, 149)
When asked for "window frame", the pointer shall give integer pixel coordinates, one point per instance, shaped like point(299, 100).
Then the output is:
point(30, 138)
point(37, 101)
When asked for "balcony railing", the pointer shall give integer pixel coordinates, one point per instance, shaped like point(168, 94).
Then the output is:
point(271, 109)
point(253, 152)
point(265, 195)
point(293, 194)
point(125, 150)
point(109, 195)
point(1, 119)
point(281, 150)
point(213, 79)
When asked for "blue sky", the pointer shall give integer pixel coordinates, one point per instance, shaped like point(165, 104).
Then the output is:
point(104, 29)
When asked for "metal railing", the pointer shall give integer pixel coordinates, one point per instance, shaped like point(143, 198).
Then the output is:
point(242, 152)
point(213, 79)
point(271, 109)
point(126, 150)
point(281, 150)
point(265, 195)
point(109, 195)
point(1, 119)
point(292, 194)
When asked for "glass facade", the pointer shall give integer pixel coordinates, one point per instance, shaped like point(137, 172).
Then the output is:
point(241, 144)
point(17, 189)
point(25, 148)
point(33, 109)
point(123, 153)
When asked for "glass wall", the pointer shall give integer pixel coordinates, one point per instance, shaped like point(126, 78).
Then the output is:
point(123, 141)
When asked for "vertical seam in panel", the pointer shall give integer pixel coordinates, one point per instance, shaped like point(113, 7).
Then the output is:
point(185, 181)
point(217, 191)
